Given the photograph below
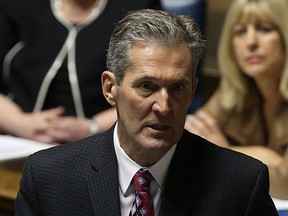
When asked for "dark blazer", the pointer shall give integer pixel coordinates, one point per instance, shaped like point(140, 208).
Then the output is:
point(81, 178)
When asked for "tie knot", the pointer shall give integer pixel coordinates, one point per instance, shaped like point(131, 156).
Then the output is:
point(142, 180)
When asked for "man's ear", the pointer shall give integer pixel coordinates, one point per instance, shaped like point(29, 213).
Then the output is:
point(195, 84)
point(109, 87)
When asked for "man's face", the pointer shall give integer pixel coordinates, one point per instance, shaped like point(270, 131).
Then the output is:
point(153, 99)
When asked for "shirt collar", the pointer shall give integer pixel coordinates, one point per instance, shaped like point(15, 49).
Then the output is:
point(127, 167)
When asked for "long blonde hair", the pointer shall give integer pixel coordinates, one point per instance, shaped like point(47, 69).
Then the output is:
point(234, 84)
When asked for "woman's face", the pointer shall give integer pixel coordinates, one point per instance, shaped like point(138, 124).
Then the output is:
point(258, 49)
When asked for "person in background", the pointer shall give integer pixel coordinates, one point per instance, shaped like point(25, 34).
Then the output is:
point(197, 10)
point(52, 54)
point(194, 8)
point(146, 164)
point(249, 110)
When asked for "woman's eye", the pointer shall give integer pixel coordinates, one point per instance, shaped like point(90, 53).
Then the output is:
point(265, 29)
point(239, 31)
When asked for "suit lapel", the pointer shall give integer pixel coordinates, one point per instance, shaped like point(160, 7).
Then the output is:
point(102, 180)
point(183, 178)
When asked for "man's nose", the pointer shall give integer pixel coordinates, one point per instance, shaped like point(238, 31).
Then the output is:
point(162, 104)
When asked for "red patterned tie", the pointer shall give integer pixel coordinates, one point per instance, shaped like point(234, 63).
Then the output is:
point(142, 205)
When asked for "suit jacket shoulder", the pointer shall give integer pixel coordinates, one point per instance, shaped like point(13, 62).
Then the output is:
point(79, 178)
point(205, 179)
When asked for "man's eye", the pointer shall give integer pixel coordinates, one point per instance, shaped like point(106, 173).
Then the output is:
point(147, 86)
point(178, 87)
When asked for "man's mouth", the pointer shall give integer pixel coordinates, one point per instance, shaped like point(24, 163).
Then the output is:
point(159, 127)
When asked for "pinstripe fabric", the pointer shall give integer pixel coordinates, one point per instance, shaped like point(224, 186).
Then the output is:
point(81, 179)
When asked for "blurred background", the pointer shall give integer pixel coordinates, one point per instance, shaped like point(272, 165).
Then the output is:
point(214, 16)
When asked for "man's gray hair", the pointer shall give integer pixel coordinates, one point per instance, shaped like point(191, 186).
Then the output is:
point(153, 27)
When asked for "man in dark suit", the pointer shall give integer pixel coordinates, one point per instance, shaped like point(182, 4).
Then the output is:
point(152, 59)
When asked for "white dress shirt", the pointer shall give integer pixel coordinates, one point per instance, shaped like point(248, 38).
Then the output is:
point(127, 169)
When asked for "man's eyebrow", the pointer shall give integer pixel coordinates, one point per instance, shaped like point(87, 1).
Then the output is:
point(181, 79)
point(143, 78)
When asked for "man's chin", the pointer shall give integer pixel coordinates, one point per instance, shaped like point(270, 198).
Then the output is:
point(158, 144)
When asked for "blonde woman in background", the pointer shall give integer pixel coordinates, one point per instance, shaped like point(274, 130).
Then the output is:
point(249, 110)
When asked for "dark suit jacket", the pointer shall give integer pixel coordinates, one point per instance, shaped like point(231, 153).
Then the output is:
point(81, 178)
